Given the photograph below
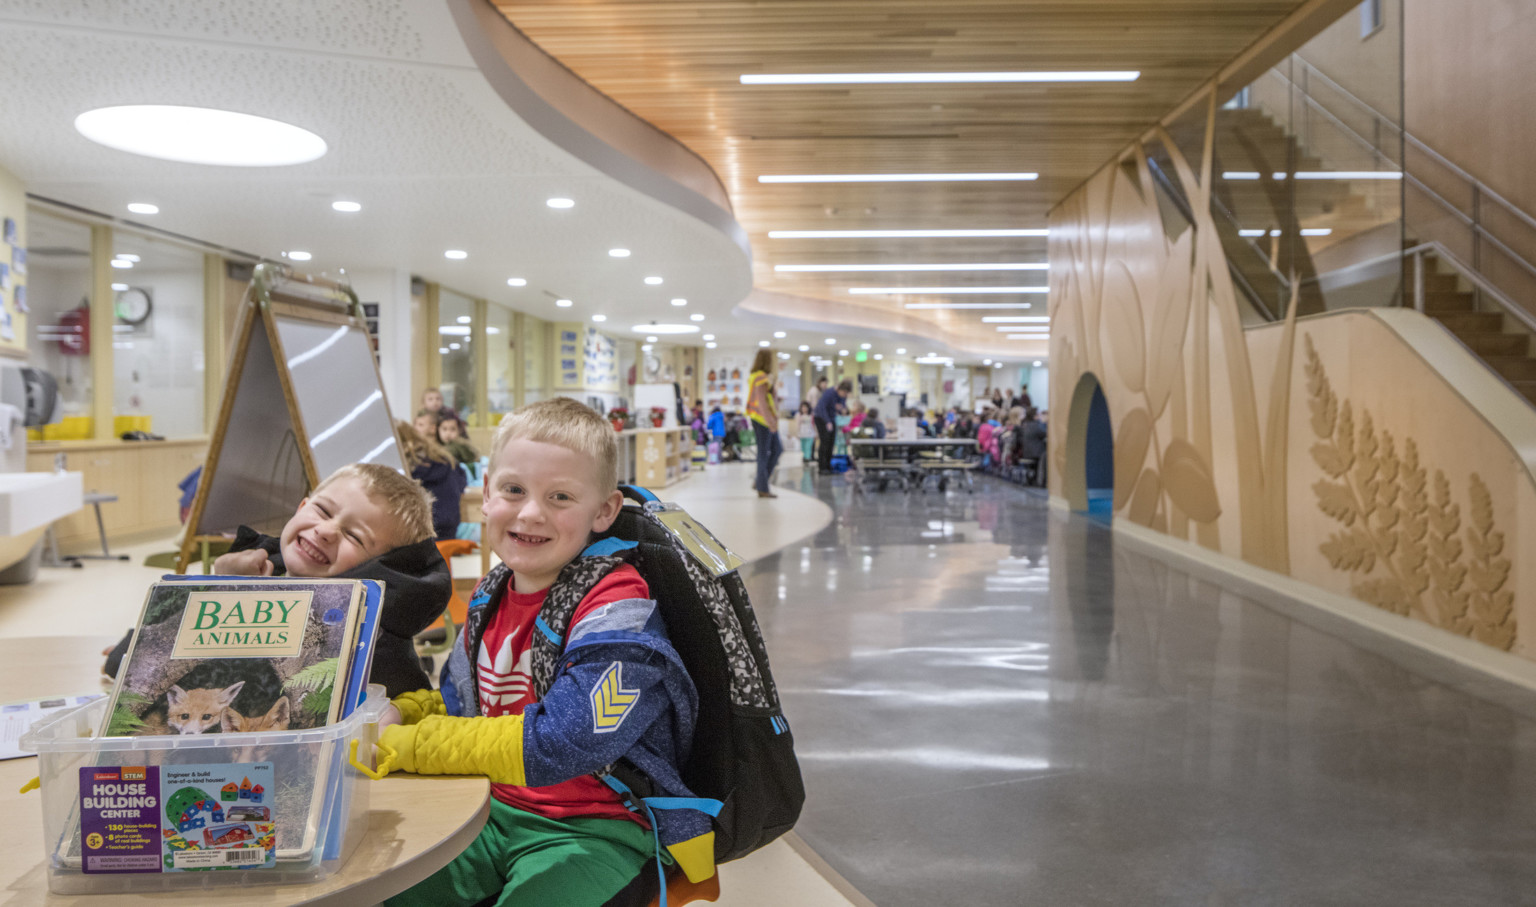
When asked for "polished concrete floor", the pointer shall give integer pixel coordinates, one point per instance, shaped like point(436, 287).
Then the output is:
point(994, 703)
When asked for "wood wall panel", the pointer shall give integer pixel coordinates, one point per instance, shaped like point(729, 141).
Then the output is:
point(1325, 448)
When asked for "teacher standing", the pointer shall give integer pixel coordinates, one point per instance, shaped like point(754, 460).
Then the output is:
point(763, 410)
point(827, 409)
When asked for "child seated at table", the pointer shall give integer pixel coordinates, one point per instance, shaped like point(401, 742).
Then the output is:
point(364, 521)
point(557, 833)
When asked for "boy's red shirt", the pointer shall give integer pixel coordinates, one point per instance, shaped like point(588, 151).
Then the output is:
point(505, 686)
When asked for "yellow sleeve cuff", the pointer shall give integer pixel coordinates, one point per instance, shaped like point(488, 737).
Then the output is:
point(418, 704)
point(695, 856)
point(402, 739)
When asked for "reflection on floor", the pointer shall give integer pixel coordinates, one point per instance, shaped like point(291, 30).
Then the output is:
point(994, 704)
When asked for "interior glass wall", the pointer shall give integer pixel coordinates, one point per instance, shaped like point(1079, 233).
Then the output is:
point(58, 296)
point(499, 342)
point(455, 320)
point(157, 336)
point(535, 359)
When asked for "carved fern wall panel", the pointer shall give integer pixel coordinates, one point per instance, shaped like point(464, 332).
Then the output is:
point(1343, 459)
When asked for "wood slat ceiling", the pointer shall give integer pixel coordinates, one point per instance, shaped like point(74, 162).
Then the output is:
point(678, 65)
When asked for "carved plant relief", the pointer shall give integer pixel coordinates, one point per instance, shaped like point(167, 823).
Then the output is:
point(1402, 534)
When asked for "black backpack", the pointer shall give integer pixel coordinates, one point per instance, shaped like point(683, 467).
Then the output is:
point(743, 753)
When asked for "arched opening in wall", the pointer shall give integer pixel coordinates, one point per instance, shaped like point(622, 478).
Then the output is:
point(1089, 480)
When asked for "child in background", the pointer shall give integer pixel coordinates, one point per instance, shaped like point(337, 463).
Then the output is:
point(365, 521)
point(807, 430)
point(435, 469)
point(426, 422)
point(556, 834)
point(432, 402)
point(450, 434)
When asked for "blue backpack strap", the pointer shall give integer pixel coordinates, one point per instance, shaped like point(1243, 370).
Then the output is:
point(638, 493)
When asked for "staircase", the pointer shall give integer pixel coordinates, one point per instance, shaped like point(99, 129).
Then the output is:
point(1498, 339)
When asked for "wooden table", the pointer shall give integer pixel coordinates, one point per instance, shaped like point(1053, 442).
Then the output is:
point(416, 824)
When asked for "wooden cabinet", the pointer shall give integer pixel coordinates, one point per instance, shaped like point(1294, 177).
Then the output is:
point(662, 455)
point(143, 475)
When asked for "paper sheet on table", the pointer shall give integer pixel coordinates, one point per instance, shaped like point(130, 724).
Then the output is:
point(17, 717)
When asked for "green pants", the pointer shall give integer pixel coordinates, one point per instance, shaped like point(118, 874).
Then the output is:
point(521, 858)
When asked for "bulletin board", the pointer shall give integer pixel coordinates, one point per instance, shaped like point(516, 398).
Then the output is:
point(13, 269)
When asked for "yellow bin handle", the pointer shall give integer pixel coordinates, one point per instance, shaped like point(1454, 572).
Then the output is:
point(386, 765)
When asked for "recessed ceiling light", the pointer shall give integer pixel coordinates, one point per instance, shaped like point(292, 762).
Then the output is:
point(879, 356)
point(900, 234)
point(298, 255)
point(901, 351)
point(967, 305)
point(709, 336)
point(456, 254)
point(1318, 231)
point(654, 328)
point(997, 365)
point(679, 301)
point(1012, 319)
point(842, 352)
point(143, 208)
point(779, 335)
point(492, 329)
point(711, 345)
point(119, 287)
point(455, 330)
point(599, 318)
point(346, 207)
point(696, 316)
point(454, 346)
point(563, 303)
point(1037, 363)
point(646, 348)
point(516, 282)
point(1027, 336)
point(464, 319)
point(865, 346)
point(651, 339)
point(804, 348)
point(986, 362)
point(559, 202)
point(797, 373)
point(783, 355)
point(653, 281)
point(763, 343)
point(896, 177)
point(200, 135)
point(935, 291)
point(127, 256)
point(908, 78)
point(619, 253)
point(122, 264)
point(831, 341)
point(443, 350)
point(959, 266)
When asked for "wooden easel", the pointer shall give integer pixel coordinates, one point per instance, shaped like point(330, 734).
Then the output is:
point(263, 457)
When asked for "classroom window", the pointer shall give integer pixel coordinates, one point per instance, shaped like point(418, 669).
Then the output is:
point(58, 283)
point(1370, 18)
point(455, 344)
point(499, 360)
point(157, 336)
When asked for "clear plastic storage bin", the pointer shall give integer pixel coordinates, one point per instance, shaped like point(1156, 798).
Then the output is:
point(319, 805)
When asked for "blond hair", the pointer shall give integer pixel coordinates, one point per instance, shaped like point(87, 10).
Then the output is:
point(402, 497)
point(565, 423)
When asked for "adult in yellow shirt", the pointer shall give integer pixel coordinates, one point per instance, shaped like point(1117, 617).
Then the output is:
point(763, 410)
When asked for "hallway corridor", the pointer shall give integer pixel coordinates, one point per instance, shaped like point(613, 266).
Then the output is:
point(994, 703)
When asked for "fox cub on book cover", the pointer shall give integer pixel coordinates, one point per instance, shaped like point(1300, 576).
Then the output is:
point(231, 657)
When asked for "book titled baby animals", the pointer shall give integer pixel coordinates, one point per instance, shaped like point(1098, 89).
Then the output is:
point(230, 657)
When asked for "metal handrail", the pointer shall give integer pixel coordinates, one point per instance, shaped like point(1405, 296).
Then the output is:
point(1408, 137)
point(1512, 308)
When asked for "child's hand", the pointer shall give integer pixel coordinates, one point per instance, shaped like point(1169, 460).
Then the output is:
point(390, 716)
point(252, 562)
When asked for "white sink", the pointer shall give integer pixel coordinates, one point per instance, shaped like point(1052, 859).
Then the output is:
point(32, 500)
